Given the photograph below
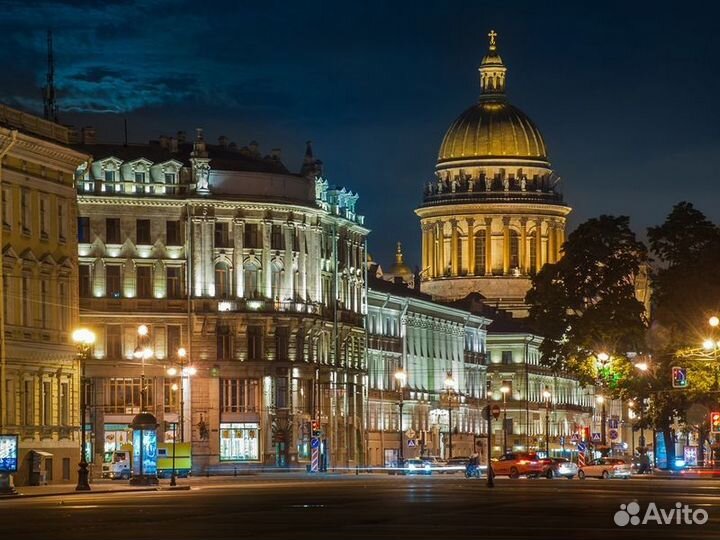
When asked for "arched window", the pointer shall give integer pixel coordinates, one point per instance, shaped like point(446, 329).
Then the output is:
point(250, 274)
point(277, 292)
point(514, 249)
point(480, 253)
point(223, 281)
point(533, 253)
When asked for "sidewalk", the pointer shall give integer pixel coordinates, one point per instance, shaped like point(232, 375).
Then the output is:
point(98, 486)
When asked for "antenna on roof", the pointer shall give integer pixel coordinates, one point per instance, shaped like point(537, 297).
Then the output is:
point(50, 109)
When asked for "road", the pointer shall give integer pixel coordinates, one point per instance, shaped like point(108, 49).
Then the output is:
point(366, 506)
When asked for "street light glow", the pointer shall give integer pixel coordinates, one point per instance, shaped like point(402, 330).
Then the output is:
point(142, 330)
point(600, 399)
point(547, 394)
point(642, 366)
point(505, 389)
point(189, 371)
point(400, 376)
point(83, 336)
point(714, 321)
point(182, 352)
point(171, 371)
point(174, 387)
point(449, 382)
point(603, 356)
point(708, 344)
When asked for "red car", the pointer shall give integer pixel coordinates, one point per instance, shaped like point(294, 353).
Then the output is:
point(516, 464)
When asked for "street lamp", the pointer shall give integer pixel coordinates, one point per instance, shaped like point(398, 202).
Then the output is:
point(143, 352)
point(547, 395)
point(505, 390)
point(603, 359)
point(400, 378)
point(450, 388)
point(84, 340)
point(184, 371)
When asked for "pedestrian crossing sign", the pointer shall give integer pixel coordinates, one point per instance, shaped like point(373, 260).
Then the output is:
point(411, 443)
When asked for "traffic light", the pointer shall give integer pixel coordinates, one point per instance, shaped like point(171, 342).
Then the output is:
point(679, 377)
point(715, 422)
point(315, 426)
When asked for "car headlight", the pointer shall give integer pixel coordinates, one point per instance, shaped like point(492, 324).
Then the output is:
point(411, 466)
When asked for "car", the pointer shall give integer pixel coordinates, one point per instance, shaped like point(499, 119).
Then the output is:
point(436, 463)
point(516, 464)
point(605, 468)
point(416, 466)
point(456, 464)
point(556, 467)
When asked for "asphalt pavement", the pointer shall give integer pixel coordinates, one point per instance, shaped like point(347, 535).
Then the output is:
point(373, 506)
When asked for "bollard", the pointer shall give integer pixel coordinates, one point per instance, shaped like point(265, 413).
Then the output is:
point(357, 470)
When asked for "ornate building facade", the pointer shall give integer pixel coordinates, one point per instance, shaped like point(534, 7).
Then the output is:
point(39, 371)
point(427, 365)
point(257, 273)
point(493, 215)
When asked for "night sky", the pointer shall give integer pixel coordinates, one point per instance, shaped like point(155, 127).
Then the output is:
point(625, 95)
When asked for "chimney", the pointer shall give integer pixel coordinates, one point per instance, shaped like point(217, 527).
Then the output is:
point(223, 141)
point(275, 154)
point(87, 134)
point(173, 145)
point(164, 142)
point(181, 137)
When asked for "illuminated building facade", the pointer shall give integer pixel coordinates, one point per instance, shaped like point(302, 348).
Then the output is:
point(257, 272)
point(39, 372)
point(416, 347)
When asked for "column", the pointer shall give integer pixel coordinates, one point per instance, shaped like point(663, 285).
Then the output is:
point(455, 247)
point(425, 251)
point(488, 247)
point(238, 258)
point(560, 232)
point(197, 258)
point(302, 264)
point(524, 259)
point(506, 246)
point(207, 257)
point(538, 245)
point(552, 250)
point(471, 245)
point(288, 280)
point(266, 285)
point(440, 246)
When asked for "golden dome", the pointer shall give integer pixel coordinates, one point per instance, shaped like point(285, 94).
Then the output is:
point(399, 268)
point(492, 128)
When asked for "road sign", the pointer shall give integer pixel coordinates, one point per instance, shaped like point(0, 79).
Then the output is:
point(496, 412)
point(596, 437)
point(581, 447)
point(679, 377)
point(614, 435)
point(575, 437)
point(315, 442)
point(410, 433)
point(613, 423)
point(411, 443)
point(715, 422)
point(315, 460)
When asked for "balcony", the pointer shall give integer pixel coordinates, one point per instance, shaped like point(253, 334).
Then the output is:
point(150, 305)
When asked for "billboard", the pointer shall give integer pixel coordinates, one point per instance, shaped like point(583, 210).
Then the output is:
point(8, 453)
point(145, 449)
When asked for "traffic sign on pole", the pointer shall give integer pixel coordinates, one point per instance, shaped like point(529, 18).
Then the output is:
point(411, 443)
point(496, 412)
point(614, 435)
point(581, 447)
point(596, 437)
point(575, 437)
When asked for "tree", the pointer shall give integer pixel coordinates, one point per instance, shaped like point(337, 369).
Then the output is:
point(586, 304)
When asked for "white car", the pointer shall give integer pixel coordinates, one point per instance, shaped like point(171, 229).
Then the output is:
point(605, 468)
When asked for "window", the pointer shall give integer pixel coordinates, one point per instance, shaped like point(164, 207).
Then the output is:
point(7, 208)
point(480, 253)
point(170, 178)
point(507, 357)
point(10, 405)
point(112, 230)
point(84, 230)
point(84, 274)
point(533, 252)
point(142, 227)
point(64, 404)
point(172, 230)
point(281, 392)
point(63, 305)
point(282, 342)
point(239, 395)
point(113, 341)
point(458, 263)
point(26, 302)
point(44, 303)
point(174, 282)
point(171, 397)
point(66, 468)
point(276, 280)
point(174, 340)
point(109, 176)
point(141, 182)
point(255, 344)
point(252, 236)
point(514, 249)
point(47, 419)
point(113, 281)
point(44, 218)
point(222, 281)
point(276, 237)
point(224, 343)
point(144, 281)
point(28, 403)
point(221, 235)
point(62, 222)
point(250, 274)
point(122, 395)
point(239, 441)
point(25, 211)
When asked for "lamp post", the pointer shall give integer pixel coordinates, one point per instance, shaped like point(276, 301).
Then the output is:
point(185, 371)
point(505, 390)
point(450, 388)
point(400, 379)
point(603, 359)
point(84, 340)
point(644, 367)
point(142, 352)
point(547, 395)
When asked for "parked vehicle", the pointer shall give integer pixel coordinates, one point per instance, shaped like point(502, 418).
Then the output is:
point(559, 467)
point(516, 464)
point(118, 464)
point(416, 466)
point(436, 463)
point(605, 468)
point(456, 465)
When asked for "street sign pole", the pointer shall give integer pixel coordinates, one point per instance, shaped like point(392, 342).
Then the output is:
point(489, 473)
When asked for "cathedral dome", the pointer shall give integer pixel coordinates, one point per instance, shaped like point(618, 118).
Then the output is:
point(492, 128)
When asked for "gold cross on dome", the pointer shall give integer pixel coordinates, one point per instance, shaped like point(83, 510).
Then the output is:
point(492, 35)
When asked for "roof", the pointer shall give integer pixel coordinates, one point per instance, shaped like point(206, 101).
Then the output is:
point(221, 157)
point(399, 289)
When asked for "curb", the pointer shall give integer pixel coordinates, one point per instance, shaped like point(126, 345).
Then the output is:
point(99, 492)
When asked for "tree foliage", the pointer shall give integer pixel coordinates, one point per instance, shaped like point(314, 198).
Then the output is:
point(586, 302)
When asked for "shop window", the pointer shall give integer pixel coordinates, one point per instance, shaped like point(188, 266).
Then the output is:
point(239, 441)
